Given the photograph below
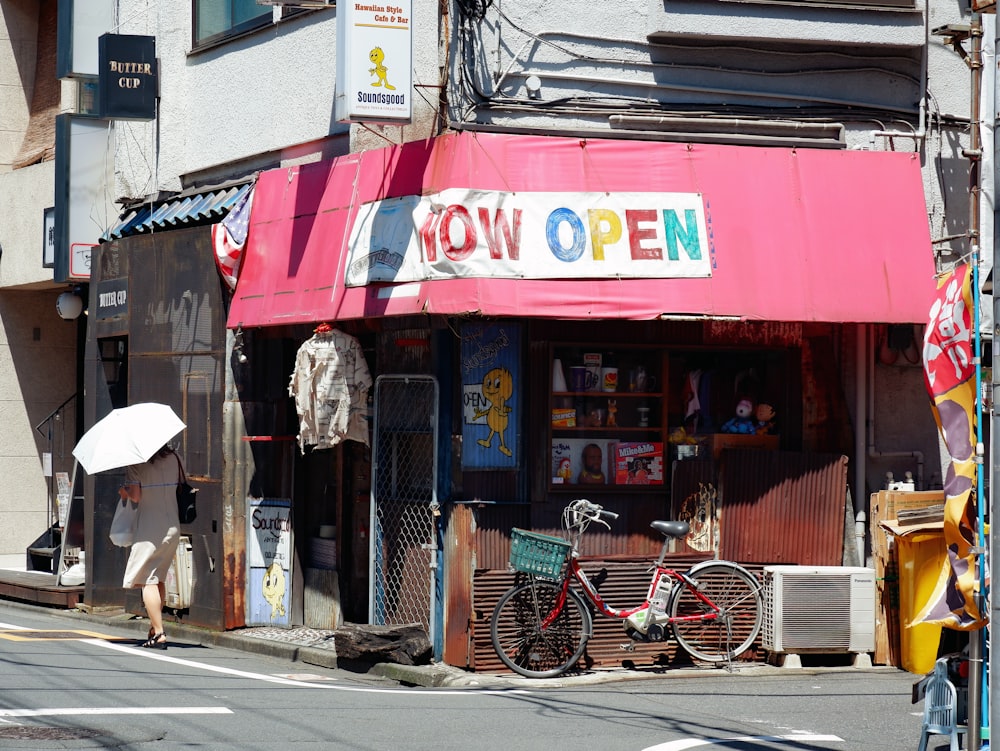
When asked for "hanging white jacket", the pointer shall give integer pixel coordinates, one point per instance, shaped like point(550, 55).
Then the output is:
point(330, 385)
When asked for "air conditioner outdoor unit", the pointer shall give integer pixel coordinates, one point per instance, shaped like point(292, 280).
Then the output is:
point(824, 609)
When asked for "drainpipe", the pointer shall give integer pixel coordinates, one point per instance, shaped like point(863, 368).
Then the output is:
point(872, 453)
point(861, 419)
point(921, 131)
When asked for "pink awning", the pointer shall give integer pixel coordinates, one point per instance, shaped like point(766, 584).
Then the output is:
point(796, 234)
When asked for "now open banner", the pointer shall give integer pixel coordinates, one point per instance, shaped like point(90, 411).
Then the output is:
point(532, 235)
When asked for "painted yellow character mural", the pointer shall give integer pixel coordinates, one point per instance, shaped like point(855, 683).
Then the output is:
point(498, 387)
point(377, 56)
point(273, 588)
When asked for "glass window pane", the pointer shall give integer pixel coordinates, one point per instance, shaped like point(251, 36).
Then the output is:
point(245, 10)
point(214, 17)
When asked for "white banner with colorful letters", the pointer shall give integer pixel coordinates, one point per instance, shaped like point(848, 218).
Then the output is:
point(552, 235)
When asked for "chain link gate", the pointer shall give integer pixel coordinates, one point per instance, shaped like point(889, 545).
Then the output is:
point(404, 503)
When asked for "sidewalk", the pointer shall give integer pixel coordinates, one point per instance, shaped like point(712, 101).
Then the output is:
point(316, 647)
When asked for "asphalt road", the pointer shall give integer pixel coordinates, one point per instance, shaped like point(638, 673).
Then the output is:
point(62, 688)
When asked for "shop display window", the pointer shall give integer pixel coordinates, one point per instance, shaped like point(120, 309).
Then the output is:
point(619, 416)
point(607, 416)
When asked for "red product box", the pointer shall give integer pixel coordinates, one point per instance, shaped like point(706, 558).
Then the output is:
point(637, 463)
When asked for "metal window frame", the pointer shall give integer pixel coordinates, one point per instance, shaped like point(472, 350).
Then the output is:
point(233, 32)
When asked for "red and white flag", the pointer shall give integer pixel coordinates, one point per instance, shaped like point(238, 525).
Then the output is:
point(230, 235)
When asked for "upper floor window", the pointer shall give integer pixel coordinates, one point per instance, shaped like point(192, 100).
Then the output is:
point(215, 20)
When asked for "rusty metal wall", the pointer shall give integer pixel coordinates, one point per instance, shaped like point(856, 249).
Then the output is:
point(177, 346)
point(782, 507)
point(630, 534)
point(458, 568)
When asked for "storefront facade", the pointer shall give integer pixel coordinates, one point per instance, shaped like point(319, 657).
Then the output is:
point(499, 266)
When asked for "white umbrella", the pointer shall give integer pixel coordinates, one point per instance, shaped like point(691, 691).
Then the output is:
point(129, 435)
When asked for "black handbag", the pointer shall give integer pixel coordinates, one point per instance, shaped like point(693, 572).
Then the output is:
point(187, 512)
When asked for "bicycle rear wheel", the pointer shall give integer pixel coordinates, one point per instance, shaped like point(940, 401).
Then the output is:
point(528, 648)
point(736, 593)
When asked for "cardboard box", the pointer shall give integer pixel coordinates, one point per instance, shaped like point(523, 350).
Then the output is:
point(567, 459)
point(592, 362)
point(636, 463)
point(721, 441)
point(564, 418)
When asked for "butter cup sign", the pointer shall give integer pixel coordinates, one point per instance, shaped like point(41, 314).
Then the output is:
point(128, 77)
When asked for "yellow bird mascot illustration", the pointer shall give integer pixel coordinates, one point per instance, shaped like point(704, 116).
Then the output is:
point(498, 386)
point(377, 56)
point(273, 587)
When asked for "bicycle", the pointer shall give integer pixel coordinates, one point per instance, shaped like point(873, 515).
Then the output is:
point(540, 627)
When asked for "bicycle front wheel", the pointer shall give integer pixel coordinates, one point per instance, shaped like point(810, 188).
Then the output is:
point(524, 644)
point(736, 593)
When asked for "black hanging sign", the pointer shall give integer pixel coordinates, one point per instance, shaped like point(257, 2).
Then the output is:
point(128, 78)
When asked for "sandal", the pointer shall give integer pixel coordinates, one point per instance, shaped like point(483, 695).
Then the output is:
point(155, 641)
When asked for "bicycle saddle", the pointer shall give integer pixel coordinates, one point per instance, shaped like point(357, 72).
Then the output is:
point(671, 529)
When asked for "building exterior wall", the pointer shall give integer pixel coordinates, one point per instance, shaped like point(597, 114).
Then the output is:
point(18, 31)
point(260, 101)
point(37, 348)
point(37, 374)
point(688, 63)
point(267, 100)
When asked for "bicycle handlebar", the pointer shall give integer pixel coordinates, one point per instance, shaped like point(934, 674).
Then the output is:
point(581, 512)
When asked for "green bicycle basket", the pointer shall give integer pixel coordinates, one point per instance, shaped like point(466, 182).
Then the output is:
point(533, 553)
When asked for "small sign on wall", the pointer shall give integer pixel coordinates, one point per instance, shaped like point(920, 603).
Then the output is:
point(269, 559)
point(374, 62)
point(49, 238)
point(129, 77)
point(491, 395)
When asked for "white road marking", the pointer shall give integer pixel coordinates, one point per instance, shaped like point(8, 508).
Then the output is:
point(164, 657)
point(695, 742)
point(111, 711)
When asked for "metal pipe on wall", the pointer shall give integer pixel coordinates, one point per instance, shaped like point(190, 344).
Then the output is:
point(994, 609)
point(974, 156)
point(860, 420)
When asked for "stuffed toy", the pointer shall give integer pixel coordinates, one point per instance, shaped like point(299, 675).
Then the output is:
point(765, 419)
point(743, 422)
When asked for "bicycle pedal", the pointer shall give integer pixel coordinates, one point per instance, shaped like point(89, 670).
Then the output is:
point(629, 647)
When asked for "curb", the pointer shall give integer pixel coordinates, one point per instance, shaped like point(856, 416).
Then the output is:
point(434, 675)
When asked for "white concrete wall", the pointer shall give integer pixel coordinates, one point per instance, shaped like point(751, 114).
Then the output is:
point(25, 194)
point(18, 33)
point(37, 373)
point(37, 348)
point(251, 103)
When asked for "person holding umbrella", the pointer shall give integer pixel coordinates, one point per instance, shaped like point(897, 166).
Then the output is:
point(152, 486)
point(136, 437)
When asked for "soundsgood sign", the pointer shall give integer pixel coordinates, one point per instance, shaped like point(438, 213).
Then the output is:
point(374, 61)
point(540, 235)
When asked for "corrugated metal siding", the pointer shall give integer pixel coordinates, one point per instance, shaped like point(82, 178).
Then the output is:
point(177, 345)
point(183, 211)
point(781, 507)
point(629, 535)
point(625, 583)
point(492, 536)
point(459, 565)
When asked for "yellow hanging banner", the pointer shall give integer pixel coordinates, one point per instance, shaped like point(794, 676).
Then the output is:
point(950, 376)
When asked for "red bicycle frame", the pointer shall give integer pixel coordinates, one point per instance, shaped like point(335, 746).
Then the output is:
point(575, 572)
